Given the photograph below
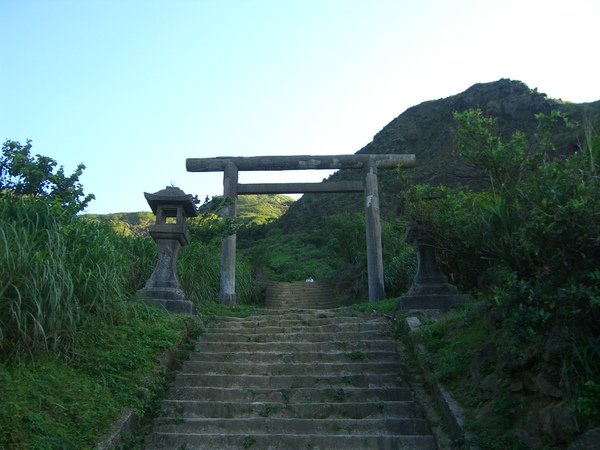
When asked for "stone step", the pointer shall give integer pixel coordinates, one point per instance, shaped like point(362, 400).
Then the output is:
point(295, 357)
point(336, 345)
point(294, 337)
point(298, 287)
point(350, 410)
point(273, 369)
point(296, 395)
point(296, 314)
point(297, 328)
point(280, 425)
point(295, 298)
point(286, 305)
point(291, 319)
point(287, 441)
point(298, 293)
point(292, 379)
point(301, 303)
point(286, 324)
point(289, 381)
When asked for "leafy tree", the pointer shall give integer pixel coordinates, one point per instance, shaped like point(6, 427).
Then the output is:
point(479, 145)
point(21, 173)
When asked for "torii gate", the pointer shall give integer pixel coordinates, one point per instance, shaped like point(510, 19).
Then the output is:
point(230, 166)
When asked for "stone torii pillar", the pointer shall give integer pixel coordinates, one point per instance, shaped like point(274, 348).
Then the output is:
point(369, 164)
point(228, 247)
point(373, 228)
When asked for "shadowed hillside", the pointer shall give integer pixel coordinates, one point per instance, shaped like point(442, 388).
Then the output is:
point(428, 131)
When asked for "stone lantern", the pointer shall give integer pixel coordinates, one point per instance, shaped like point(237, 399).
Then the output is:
point(171, 207)
point(430, 288)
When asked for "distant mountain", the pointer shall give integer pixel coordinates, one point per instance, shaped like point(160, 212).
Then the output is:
point(262, 209)
point(428, 129)
point(252, 209)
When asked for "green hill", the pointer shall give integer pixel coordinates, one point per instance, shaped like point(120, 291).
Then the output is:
point(252, 210)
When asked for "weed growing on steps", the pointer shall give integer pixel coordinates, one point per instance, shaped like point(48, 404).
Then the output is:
point(248, 441)
point(356, 355)
point(286, 395)
point(335, 395)
point(351, 380)
point(336, 427)
point(268, 410)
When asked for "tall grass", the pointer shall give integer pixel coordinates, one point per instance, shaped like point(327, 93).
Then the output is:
point(53, 267)
point(199, 268)
point(38, 307)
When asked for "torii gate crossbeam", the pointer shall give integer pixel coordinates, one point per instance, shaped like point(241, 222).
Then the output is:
point(230, 166)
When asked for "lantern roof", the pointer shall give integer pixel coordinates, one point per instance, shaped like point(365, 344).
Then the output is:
point(172, 196)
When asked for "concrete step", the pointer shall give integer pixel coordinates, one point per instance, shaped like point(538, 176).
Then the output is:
point(281, 425)
point(299, 299)
point(313, 303)
point(287, 441)
point(292, 329)
point(297, 395)
point(294, 337)
point(289, 346)
point(294, 357)
point(350, 410)
point(302, 314)
point(392, 379)
point(273, 369)
point(297, 314)
point(307, 325)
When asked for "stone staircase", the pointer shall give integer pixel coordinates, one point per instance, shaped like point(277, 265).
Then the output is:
point(299, 295)
point(303, 379)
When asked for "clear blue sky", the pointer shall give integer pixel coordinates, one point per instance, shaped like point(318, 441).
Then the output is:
point(133, 88)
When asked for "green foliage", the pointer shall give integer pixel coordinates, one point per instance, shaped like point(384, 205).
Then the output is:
point(37, 176)
point(262, 209)
point(452, 343)
point(127, 224)
point(387, 306)
point(54, 265)
point(252, 212)
point(399, 258)
point(530, 247)
point(587, 403)
point(478, 143)
point(337, 242)
point(332, 248)
point(50, 403)
point(198, 271)
point(542, 228)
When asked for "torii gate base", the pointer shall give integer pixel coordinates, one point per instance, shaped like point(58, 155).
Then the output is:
point(230, 166)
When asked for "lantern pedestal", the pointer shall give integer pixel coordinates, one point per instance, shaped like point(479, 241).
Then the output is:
point(430, 288)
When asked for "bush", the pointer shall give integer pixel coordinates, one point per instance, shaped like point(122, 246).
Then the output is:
point(530, 244)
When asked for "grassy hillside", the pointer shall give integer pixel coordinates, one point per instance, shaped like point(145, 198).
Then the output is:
point(251, 210)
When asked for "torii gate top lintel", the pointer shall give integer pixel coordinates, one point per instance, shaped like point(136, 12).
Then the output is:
point(369, 163)
point(300, 162)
